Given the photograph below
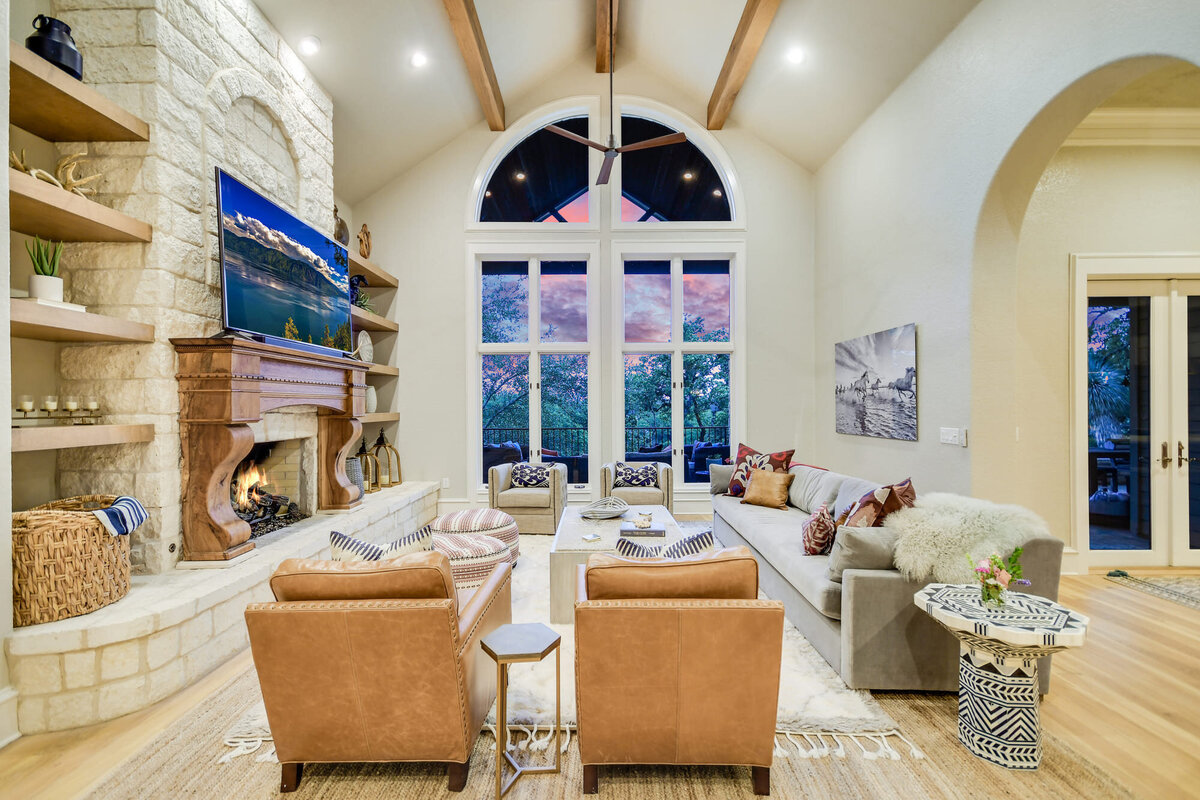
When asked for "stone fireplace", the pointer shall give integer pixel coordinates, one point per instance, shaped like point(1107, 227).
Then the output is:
point(267, 490)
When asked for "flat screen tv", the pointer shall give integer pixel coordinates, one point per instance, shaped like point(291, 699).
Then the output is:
point(281, 280)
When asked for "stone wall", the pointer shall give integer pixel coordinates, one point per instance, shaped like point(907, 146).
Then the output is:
point(219, 88)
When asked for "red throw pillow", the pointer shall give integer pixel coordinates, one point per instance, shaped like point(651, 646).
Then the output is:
point(873, 507)
point(819, 531)
point(749, 459)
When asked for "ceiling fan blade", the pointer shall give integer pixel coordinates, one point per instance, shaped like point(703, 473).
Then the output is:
point(658, 141)
point(605, 169)
point(574, 137)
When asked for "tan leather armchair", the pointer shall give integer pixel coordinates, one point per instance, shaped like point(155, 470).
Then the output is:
point(535, 510)
point(376, 661)
point(661, 495)
point(676, 662)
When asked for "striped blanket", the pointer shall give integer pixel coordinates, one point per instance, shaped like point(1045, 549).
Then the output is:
point(122, 517)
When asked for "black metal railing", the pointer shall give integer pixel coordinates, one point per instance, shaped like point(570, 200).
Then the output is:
point(574, 441)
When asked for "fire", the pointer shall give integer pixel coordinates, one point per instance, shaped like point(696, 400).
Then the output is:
point(249, 481)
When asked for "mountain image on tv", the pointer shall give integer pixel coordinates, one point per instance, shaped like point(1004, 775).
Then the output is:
point(281, 278)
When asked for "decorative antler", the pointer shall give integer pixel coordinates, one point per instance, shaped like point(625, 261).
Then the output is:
point(65, 172)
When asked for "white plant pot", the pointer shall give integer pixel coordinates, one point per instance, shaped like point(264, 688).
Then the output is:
point(46, 287)
point(372, 400)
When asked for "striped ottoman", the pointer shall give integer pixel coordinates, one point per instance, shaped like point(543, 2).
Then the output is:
point(482, 522)
point(472, 557)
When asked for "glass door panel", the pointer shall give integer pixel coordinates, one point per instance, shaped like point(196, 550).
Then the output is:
point(505, 407)
point(1186, 541)
point(647, 407)
point(564, 408)
point(1121, 455)
point(706, 382)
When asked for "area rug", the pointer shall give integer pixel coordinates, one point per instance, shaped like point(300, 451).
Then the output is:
point(1181, 589)
point(181, 762)
point(818, 714)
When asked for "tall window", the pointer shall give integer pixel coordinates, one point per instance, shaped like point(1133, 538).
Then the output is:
point(677, 350)
point(534, 363)
point(542, 179)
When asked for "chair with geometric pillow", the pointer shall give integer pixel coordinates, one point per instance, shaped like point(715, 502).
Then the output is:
point(534, 495)
point(639, 484)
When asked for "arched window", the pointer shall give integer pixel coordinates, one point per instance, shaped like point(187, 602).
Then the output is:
point(546, 178)
point(676, 183)
point(542, 179)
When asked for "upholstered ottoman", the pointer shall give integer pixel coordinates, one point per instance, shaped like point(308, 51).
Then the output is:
point(482, 522)
point(472, 557)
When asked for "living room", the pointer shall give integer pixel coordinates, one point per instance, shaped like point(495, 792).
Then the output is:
point(778, 384)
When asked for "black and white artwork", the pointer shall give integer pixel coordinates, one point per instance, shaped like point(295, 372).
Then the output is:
point(875, 392)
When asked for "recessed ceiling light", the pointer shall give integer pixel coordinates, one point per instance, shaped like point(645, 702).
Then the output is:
point(687, 176)
point(419, 59)
point(310, 46)
point(488, 193)
point(795, 55)
point(717, 193)
point(520, 176)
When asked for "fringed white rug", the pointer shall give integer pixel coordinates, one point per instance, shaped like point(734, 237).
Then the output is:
point(818, 714)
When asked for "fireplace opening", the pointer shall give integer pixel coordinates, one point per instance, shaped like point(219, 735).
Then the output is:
point(266, 486)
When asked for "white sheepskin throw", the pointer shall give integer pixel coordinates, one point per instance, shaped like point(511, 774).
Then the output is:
point(934, 537)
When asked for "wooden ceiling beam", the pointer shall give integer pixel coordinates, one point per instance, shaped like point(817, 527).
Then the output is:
point(604, 53)
point(751, 30)
point(465, 23)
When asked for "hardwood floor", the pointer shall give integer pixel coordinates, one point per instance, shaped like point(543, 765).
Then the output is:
point(1128, 700)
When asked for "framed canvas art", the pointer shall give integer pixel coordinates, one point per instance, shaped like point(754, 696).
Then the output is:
point(875, 384)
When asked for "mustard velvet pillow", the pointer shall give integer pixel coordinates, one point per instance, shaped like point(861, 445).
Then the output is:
point(768, 488)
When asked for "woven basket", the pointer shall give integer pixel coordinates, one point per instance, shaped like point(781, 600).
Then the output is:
point(65, 562)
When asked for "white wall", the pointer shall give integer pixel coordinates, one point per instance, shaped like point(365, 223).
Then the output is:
point(419, 234)
point(898, 209)
point(1090, 200)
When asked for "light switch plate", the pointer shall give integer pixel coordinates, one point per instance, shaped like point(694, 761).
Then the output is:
point(949, 436)
point(445, 483)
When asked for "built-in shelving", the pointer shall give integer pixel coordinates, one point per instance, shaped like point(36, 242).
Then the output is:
point(39, 208)
point(383, 370)
point(382, 416)
point(377, 277)
point(366, 321)
point(31, 320)
point(51, 104)
point(25, 440)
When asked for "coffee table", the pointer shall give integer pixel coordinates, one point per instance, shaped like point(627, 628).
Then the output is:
point(569, 551)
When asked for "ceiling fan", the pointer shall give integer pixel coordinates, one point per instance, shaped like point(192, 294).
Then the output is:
point(612, 151)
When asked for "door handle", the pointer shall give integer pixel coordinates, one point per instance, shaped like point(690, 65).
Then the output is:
point(1183, 460)
point(1165, 459)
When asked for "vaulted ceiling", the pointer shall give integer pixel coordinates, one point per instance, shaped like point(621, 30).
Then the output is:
point(389, 114)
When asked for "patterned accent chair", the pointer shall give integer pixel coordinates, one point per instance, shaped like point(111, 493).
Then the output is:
point(534, 510)
point(661, 495)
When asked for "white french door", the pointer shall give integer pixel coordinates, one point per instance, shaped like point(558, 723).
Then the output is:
point(1141, 397)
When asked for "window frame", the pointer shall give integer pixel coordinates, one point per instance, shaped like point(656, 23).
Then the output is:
point(678, 250)
point(534, 348)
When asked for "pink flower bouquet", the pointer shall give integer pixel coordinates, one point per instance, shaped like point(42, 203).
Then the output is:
point(995, 575)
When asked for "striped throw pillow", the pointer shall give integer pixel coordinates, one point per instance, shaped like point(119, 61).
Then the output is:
point(347, 548)
point(699, 543)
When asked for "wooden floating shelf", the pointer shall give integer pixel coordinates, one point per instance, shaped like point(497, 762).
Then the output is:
point(383, 369)
point(32, 320)
point(366, 321)
point(377, 277)
point(38, 208)
point(26, 440)
point(49, 103)
point(367, 419)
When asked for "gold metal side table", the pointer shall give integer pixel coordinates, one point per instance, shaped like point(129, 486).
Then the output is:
point(514, 644)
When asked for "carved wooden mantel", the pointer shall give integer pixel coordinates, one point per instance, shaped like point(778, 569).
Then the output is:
point(226, 384)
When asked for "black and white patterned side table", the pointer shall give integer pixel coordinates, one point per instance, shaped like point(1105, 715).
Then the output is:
point(998, 717)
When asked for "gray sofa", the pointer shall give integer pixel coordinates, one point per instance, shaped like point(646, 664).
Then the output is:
point(853, 605)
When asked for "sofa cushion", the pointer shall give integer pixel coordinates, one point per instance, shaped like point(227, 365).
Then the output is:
point(768, 489)
point(530, 476)
point(729, 574)
point(718, 478)
point(779, 539)
point(813, 487)
point(848, 493)
point(348, 548)
point(861, 548)
point(641, 477)
point(819, 530)
point(698, 543)
point(524, 498)
point(421, 575)
point(748, 458)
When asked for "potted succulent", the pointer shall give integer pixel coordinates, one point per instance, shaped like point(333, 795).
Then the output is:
point(45, 282)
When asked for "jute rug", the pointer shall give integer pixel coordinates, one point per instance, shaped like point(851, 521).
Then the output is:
point(183, 762)
point(1181, 589)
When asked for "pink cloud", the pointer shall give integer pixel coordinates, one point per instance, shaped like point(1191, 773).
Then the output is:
point(707, 296)
point(564, 305)
point(647, 308)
